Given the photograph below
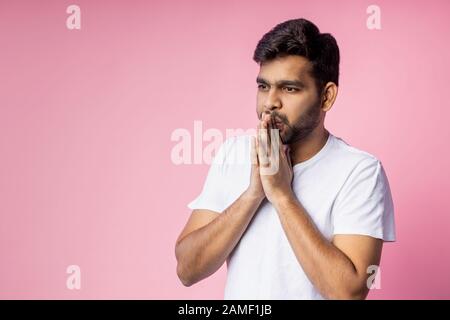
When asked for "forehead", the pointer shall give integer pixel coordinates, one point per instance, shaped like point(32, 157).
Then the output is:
point(290, 67)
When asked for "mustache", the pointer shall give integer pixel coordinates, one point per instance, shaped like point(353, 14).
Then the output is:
point(276, 117)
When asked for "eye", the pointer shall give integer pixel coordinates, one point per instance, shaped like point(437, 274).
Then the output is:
point(290, 89)
point(262, 86)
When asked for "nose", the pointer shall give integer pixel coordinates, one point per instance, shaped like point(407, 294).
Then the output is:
point(272, 102)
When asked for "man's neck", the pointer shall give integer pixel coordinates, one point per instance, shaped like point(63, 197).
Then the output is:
point(306, 148)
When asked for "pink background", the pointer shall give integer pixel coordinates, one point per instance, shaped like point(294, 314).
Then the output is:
point(86, 118)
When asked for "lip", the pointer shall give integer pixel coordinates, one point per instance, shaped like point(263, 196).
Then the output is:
point(279, 125)
point(277, 121)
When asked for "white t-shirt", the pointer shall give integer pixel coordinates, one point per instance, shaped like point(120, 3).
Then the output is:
point(343, 189)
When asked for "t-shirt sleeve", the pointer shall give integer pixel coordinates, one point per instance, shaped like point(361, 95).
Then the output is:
point(364, 205)
point(219, 189)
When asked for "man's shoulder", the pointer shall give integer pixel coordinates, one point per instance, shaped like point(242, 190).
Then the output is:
point(351, 156)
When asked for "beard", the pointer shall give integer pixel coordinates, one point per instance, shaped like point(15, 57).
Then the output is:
point(293, 132)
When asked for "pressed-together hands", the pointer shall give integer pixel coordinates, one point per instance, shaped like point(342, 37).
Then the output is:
point(271, 174)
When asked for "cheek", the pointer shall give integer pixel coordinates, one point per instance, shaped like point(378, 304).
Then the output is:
point(259, 98)
point(259, 105)
point(296, 106)
point(293, 109)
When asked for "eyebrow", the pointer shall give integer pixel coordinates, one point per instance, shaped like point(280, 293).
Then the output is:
point(281, 83)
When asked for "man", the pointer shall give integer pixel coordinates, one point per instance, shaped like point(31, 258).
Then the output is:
point(314, 227)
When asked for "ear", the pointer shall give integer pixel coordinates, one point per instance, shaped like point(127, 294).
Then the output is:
point(329, 94)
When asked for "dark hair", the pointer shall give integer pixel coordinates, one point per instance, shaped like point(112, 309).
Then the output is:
point(302, 37)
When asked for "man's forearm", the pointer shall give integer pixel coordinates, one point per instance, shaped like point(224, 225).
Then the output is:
point(327, 267)
point(203, 251)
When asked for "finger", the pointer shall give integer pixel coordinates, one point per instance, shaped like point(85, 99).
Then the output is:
point(253, 152)
point(288, 155)
point(256, 138)
point(274, 127)
point(289, 159)
point(262, 145)
point(269, 132)
point(275, 140)
point(269, 129)
point(282, 148)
